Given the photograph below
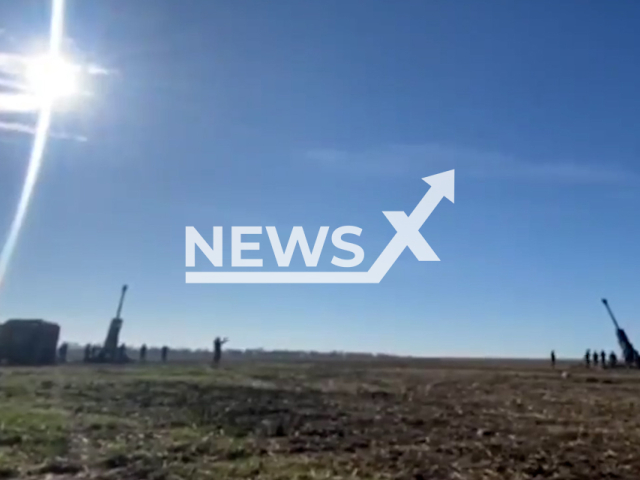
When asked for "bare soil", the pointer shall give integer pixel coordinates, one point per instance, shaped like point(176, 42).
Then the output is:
point(437, 420)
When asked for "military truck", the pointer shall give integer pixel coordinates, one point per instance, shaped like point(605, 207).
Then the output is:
point(29, 342)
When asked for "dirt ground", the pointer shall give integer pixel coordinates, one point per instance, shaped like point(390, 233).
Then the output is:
point(438, 420)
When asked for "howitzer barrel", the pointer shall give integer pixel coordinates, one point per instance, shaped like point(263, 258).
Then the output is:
point(613, 319)
point(629, 353)
point(124, 291)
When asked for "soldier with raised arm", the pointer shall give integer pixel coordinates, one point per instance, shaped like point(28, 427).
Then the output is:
point(217, 349)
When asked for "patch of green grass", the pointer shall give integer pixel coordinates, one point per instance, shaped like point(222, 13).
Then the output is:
point(33, 434)
point(97, 421)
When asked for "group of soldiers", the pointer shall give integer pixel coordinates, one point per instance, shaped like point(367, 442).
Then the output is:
point(92, 352)
point(594, 358)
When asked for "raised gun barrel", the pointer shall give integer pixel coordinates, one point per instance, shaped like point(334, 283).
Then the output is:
point(109, 350)
point(629, 353)
point(615, 322)
point(124, 291)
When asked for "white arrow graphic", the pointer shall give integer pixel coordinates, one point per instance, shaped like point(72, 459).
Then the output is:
point(407, 235)
point(408, 228)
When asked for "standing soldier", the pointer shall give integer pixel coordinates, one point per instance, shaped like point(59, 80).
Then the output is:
point(603, 359)
point(143, 353)
point(613, 360)
point(62, 352)
point(87, 352)
point(163, 353)
point(553, 359)
point(594, 357)
point(587, 358)
point(217, 349)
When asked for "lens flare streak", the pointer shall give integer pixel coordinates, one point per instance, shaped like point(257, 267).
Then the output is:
point(39, 144)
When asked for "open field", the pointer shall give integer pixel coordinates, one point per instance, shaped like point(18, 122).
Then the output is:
point(427, 420)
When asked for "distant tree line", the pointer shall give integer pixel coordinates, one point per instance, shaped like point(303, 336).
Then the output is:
point(75, 353)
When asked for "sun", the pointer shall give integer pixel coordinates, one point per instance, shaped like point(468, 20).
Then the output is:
point(51, 77)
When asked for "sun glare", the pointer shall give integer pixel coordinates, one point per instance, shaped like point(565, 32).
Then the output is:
point(51, 77)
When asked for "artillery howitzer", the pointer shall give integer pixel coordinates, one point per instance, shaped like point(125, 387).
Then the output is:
point(111, 352)
point(629, 353)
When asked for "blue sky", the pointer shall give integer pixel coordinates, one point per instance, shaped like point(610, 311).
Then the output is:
point(327, 113)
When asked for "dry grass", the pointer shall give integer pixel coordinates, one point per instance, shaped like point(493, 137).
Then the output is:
point(415, 421)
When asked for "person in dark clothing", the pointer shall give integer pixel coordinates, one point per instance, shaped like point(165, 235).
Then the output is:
point(587, 358)
point(143, 353)
point(217, 349)
point(603, 359)
point(164, 353)
point(62, 352)
point(594, 357)
point(553, 359)
point(613, 360)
